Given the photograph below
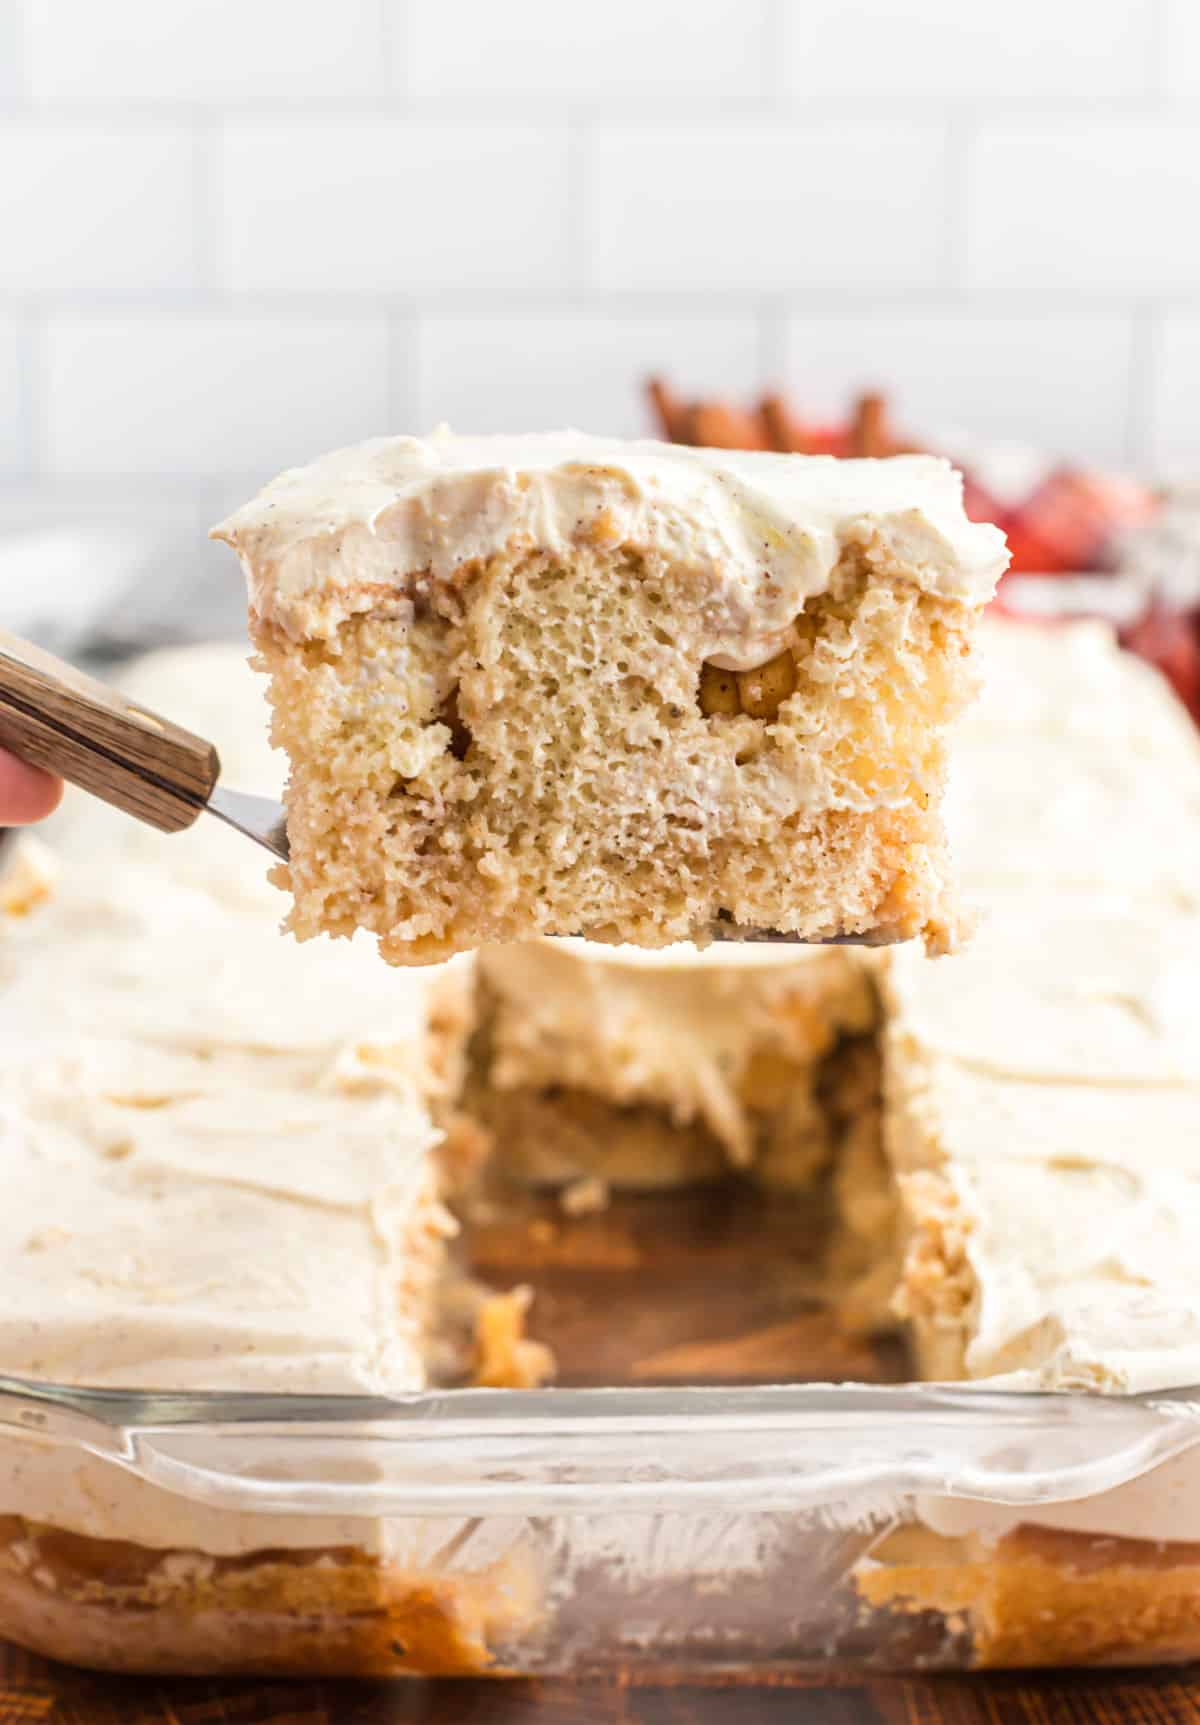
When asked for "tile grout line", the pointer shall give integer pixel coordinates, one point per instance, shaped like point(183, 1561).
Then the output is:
point(772, 317)
point(406, 406)
point(22, 88)
point(31, 367)
point(206, 192)
point(960, 142)
point(395, 43)
point(578, 145)
point(670, 304)
point(1158, 45)
point(1145, 339)
point(771, 59)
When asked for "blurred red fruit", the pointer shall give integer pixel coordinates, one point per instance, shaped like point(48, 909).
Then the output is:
point(1170, 640)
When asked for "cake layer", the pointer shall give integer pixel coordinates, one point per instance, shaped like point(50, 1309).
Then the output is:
point(333, 1612)
point(715, 1040)
point(567, 685)
point(1043, 1597)
point(555, 1137)
point(216, 1146)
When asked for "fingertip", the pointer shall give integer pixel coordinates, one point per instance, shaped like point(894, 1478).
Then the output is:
point(26, 793)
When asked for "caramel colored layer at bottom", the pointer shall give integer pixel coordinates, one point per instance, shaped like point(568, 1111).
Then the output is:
point(1041, 1596)
point(340, 1612)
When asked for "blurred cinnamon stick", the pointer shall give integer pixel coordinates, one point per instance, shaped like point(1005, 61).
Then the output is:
point(671, 411)
point(715, 425)
point(771, 424)
point(868, 431)
point(781, 431)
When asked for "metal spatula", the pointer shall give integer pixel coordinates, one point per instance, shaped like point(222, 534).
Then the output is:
point(56, 717)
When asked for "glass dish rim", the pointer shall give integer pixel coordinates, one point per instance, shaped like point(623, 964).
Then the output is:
point(814, 1449)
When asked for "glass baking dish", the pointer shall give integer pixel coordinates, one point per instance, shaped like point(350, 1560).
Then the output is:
point(650, 1531)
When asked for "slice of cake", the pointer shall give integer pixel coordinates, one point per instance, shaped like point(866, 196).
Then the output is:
point(566, 685)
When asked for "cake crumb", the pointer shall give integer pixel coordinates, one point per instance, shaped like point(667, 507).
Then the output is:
point(505, 1358)
point(584, 1197)
point(28, 877)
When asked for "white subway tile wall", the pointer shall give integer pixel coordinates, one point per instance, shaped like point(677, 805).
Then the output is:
point(946, 362)
point(1098, 210)
point(681, 52)
point(372, 207)
point(240, 53)
point(539, 368)
point(9, 52)
point(1182, 48)
point(11, 391)
point(212, 394)
point(235, 232)
point(97, 209)
point(836, 207)
point(1011, 53)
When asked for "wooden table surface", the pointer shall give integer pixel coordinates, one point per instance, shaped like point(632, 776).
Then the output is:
point(35, 1693)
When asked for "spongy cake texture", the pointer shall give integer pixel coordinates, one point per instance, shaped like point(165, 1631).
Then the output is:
point(606, 719)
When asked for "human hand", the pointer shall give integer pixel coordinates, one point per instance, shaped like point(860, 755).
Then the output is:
point(26, 793)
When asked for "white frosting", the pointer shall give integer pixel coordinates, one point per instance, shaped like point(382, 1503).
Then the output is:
point(1075, 820)
point(174, 1220)
point(326, 540)
point(1080, 1202)
point(1078, 771)
point(213, 1142)
point(1068, 684)
point(1065, 987)
point(1062, 1051)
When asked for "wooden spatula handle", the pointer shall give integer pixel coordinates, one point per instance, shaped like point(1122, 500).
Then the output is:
point(55, 717)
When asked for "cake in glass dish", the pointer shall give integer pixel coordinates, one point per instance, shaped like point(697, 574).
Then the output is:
point(1014, 1197)
point(239, 1163)
point(220, 1174)
point(567, 685)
